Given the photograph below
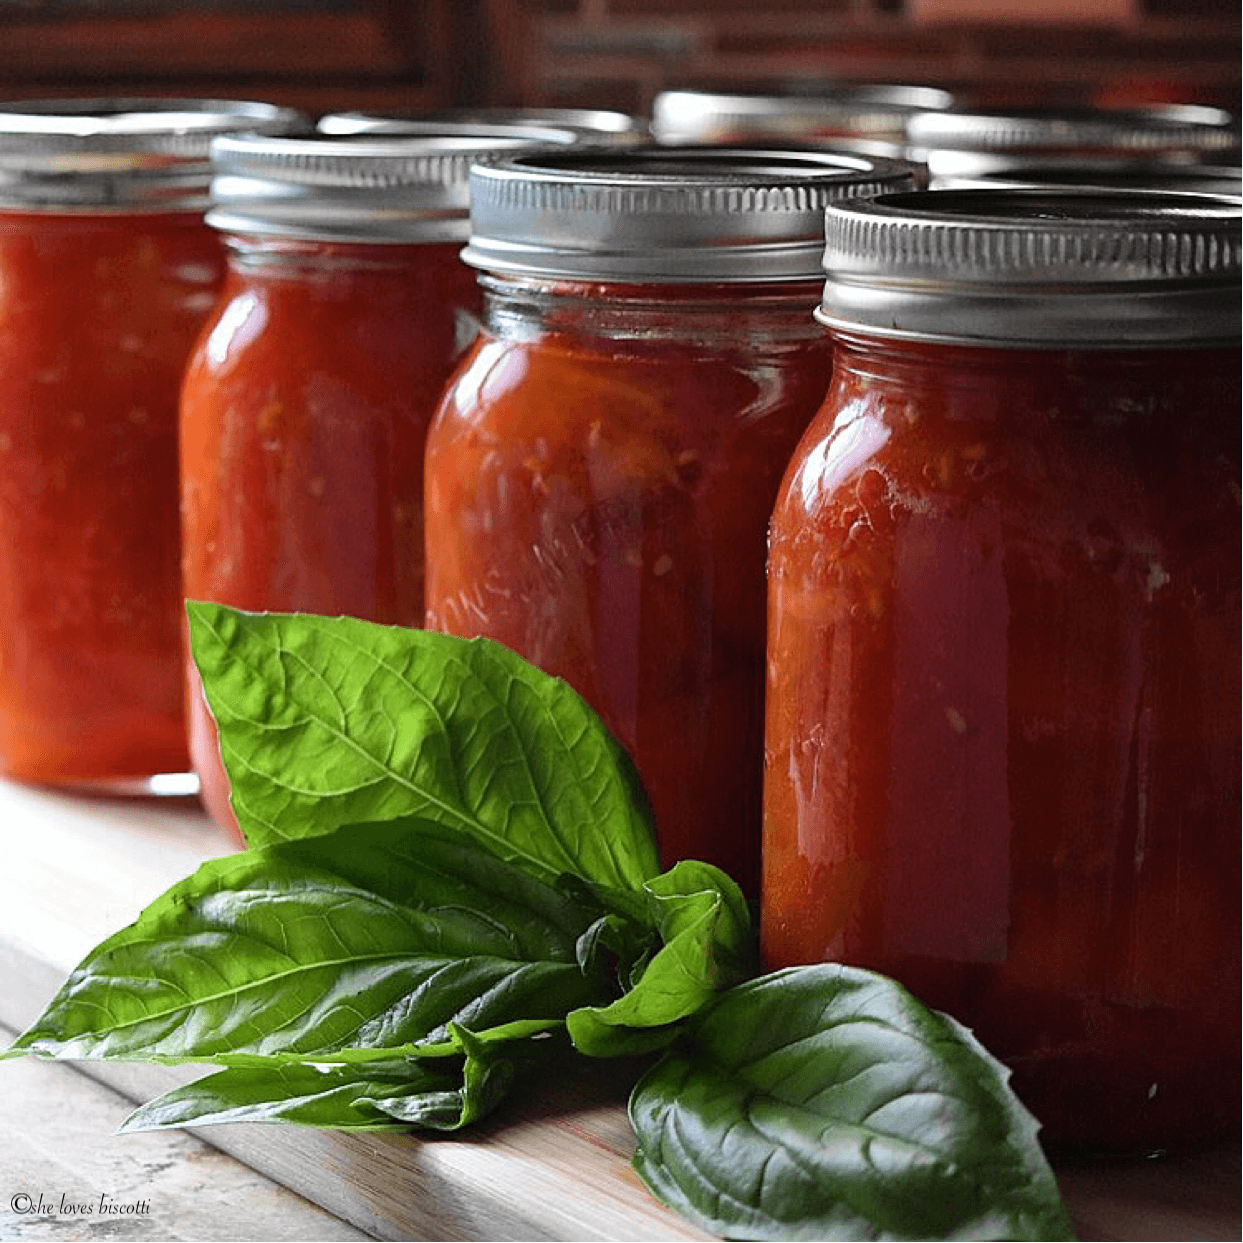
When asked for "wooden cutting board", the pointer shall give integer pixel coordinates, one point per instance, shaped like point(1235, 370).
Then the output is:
point(554, 1163)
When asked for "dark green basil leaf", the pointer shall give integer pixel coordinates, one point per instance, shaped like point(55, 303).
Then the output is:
point(377, 935)
point(382, 1093)
point(704, 925)
point(827, 1103)
point(614, 944)
point(328, 720)
point(354, 1099)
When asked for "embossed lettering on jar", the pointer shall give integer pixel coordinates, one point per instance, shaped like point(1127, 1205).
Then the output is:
point(1003, 723)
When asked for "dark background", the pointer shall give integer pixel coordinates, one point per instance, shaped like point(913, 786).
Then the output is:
point(325, 54)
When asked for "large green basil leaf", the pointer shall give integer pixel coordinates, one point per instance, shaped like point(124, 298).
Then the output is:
point(704, 925)
point(381, 1094)
point(328, 720)
point(827, 1103)
point(376, 935)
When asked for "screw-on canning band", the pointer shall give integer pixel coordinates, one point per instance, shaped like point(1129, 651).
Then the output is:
point(967, 144)
point(862, 110)
point(1037, 268)
point(665, 214)
point(137, 154)
point(602, 125)
point(1121, 174)
point(359, 187)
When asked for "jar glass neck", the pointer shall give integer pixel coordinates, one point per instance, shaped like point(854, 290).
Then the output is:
point(883, 356)
point(257, 253)
point(1003, 383)
point(519, 307)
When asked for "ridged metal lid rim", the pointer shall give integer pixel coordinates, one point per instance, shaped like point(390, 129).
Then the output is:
point(364, 160)
point(1168, 320)
point(591, 124)
point(1044, 267)
point(1137, 131)
point(133, 126)
point(1221, 180)
point(760, 264)
point(358, 187)
point(665, 214)
point(126, 155)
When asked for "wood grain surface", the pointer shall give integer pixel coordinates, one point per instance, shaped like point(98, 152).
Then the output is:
point(553, 1163)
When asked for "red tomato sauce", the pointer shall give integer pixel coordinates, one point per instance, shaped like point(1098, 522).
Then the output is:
point(599, 503)
point(97, 315)
point(303, 415)
point(1003, 728)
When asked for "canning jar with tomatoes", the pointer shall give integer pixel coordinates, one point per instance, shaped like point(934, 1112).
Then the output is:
point(602, 467)
point(107, 274)
point(1002, 745)
point(308, 394)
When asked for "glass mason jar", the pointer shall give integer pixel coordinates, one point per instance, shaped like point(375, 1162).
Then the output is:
point(308, 394)
point(107, 273)
point(602, 467)
point(958, 147)
point(1002, 744)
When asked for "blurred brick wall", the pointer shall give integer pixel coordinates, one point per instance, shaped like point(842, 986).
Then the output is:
point(323, 54)
point(619, 53)
point(314, 54)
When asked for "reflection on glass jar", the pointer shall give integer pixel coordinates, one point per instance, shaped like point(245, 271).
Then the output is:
point(1003, 685)
point(307, 398)
point(602, 468)
point(107, 273)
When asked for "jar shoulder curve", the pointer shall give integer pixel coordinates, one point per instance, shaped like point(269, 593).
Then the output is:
point(567, 384)
point(1013, 426)
point(849, 430)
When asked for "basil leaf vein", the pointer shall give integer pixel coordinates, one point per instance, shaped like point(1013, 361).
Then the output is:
point(375, 935)
point(329, 720)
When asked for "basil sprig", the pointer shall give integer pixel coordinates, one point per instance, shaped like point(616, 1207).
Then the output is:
point(452, 873)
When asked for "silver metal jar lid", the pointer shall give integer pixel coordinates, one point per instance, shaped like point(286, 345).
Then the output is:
point(1124, 174)
point(861, 110)
point(1038, 268)
point(593, 124)
point(964, 144)
point(359, 187)
point(145, 154)
point(665, 214)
